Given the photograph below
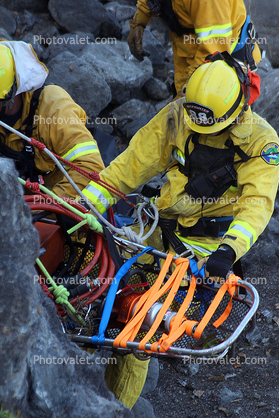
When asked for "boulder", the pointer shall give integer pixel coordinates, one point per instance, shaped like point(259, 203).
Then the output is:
point(21, 5)
point(156, 89)
point(121, 12)
point(73, 42)
point(42, 374)
point(83, 82)
point(86, 16)
point(7, 20)
point(123, 73)
point(133, 109)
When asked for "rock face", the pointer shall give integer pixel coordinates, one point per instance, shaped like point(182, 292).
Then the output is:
point(122, 72)
point(88, 16)
point(42, 373)
point(77, 76)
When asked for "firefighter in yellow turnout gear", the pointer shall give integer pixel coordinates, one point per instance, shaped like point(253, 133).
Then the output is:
point(58, 122)
point(197, 28)
point(223, 177)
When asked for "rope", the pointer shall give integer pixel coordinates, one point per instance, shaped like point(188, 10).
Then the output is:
point(60, 294)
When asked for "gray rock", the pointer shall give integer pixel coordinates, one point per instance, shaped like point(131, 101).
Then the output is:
point(266, 104)
point(86, 85)
point(122, 72)
point(193, 369)
point(7, 20)
point(254, 337)
point(124, 2)
point(154, 47)
point(133, 109)
point(125, 25)
point(33, 378)
point(143, 409)
point(85, 16)
point(73, 42)
point(31, 39)
point(267, 26)
point(152, 377)
point(160, 30)
point(156, 89)
point(267, 314)
point(4, 35)
point(121, 12)
point(21, 5)
point(25, 21)
point(225, 395)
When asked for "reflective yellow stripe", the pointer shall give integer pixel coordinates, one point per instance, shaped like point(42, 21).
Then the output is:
point(214, 31)
point(200, 248)
point(80, 150)
point(178, 156)
point(243, 230)
point(99, 196)
point(234, 44)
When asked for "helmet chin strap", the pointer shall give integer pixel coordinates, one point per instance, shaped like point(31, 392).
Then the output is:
point(3, 109)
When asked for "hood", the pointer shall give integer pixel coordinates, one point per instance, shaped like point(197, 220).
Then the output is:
point(30, 72)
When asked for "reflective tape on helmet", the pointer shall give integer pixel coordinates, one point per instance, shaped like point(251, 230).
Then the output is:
point(179, 156)
point(203, 249)
point(243, 230)
point(79, 150)
point(218, 31)
point(99, 196)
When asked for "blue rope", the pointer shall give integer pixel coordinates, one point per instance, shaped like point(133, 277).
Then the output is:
point(100, 338)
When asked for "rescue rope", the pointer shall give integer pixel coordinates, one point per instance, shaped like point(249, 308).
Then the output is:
point(61, 295)
point(138, 238)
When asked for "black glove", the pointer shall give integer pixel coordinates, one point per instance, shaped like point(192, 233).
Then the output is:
point(220, 262)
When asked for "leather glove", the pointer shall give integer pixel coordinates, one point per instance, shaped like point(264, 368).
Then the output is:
point(135, 40)
point(220, 262)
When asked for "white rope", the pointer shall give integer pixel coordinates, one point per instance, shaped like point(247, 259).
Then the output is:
point(126, 231)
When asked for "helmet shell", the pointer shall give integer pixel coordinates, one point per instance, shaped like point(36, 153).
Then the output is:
point(214, 97)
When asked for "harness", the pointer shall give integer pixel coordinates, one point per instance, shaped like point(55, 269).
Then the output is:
point(245, 46)
point(210, 172)
point(25, 159)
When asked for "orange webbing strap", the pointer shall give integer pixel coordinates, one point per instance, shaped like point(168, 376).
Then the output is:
point(132, 327)
point(176, 277)
point(179, 324)
point(230, 286)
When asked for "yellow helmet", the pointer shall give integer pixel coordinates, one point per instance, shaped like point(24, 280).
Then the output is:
point(7, 73)
point(214, 97)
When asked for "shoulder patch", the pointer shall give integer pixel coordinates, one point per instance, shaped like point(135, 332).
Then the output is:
point(270, 153)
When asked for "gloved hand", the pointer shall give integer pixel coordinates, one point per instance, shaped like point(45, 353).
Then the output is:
point(220, 262)
point(135, 40)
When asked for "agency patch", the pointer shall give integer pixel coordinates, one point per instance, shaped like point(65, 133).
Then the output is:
point(270, 153)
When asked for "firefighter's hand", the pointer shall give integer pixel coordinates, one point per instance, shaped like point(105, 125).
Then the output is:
point(135, 40)
point(219, 263)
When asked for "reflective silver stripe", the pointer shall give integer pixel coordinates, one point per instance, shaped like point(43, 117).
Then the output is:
point(178, 157)
point(244, 231)
point(214, 32)
point(200, 249)
point(80, 149)
point(99, 195)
